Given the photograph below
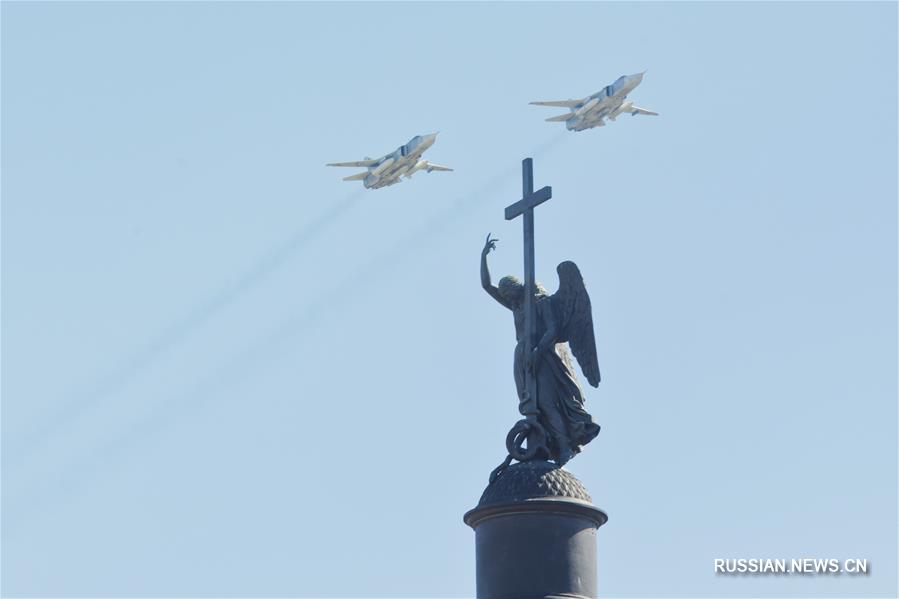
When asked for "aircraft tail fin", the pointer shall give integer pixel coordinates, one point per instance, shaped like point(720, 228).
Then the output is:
point(559, 119)
point(437, 167)
point(559, 103)
point(357, 176)
point(635, 110)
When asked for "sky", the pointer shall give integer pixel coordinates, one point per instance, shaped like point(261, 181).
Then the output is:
point(228, 373)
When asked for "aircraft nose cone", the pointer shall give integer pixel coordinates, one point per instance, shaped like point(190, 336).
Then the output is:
point(428, 140)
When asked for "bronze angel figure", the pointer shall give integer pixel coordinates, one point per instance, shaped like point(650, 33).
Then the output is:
point(564, 320)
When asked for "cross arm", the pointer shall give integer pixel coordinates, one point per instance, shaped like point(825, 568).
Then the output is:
point(529, 202)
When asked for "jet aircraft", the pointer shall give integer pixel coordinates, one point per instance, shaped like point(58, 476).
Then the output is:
point(607, 103)
point(402, 162)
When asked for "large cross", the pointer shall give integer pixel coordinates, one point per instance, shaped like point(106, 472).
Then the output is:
point(525, 206)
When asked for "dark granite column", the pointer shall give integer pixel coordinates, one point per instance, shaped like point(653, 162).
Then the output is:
point(535, 535)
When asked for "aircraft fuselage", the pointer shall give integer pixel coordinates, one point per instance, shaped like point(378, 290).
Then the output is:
point(403, 161)
point(609, 102)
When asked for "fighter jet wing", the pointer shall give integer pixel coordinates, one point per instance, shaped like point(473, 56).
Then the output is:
point(637, 110)
point(560, 118)
point(362, 163)
point(559, 103)
point(356, 177)
point(437, 167)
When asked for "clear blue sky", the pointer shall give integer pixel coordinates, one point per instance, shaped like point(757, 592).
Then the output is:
point(228, 373)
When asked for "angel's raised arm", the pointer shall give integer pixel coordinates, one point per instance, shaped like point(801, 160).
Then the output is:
point(488, 286)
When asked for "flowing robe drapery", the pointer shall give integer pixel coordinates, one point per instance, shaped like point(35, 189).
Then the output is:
point(560, 399)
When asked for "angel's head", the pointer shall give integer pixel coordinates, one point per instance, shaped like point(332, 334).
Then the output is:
point(512, 289)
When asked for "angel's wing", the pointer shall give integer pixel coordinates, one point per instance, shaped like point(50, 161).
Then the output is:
point(575, 319)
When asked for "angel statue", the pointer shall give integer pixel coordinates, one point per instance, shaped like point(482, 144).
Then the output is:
point(563, 319)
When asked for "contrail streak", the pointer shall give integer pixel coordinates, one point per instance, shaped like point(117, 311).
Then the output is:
point(257, 355)
point(179, 331)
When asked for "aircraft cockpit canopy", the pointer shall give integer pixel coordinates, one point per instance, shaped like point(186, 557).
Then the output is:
point(410, 147)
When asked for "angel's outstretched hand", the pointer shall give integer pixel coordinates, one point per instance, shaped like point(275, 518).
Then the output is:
point(489, 245)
